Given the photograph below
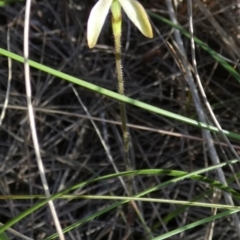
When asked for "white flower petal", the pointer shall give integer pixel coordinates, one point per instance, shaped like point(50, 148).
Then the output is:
point(96, 20)
point(138, 16)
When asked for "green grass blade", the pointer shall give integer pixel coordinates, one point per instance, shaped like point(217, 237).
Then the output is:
point(117, 96)
point(3, 236)
point(4, 3)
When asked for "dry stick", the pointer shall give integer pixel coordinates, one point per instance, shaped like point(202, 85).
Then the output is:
point(32, 121)
point(207, 135)
point(117, 29)
point(9, 81)
point(216, 194)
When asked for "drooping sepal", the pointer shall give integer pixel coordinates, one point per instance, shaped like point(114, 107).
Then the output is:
point(138, 16)
point(96, 20)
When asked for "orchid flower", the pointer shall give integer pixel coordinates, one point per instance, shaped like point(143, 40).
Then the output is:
point(132, 8)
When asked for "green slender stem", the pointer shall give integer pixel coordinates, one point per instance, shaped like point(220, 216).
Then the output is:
point(117, 26)
point(117, 29)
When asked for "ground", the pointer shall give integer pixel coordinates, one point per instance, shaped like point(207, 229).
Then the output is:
point(72, 151)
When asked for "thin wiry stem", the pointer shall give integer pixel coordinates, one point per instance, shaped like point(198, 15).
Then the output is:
point(32, 120)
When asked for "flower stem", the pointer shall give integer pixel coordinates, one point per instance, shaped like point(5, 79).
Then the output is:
point(117, 30)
